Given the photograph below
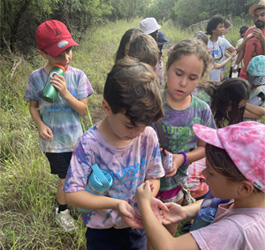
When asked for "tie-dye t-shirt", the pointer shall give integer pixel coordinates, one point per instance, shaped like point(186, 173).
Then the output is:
point(129, 167)
point(177, 126)
point(59, 116)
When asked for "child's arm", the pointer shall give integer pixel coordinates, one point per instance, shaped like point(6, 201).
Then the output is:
point(86, 200)
point(45, 132)
point(80, 106)
point(155, 183)
point(157, 234)
point(254, 111)
point(222, 64)
point(178, 159)
point(177, 213)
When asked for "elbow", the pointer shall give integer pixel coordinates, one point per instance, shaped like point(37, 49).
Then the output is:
point(83, 112)
point(68, 199)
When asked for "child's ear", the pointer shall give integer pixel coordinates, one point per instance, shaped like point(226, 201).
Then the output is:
point(246, 188)
point(42, 53)
point(106, 107)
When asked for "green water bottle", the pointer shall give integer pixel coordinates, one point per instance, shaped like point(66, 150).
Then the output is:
point(49, 92)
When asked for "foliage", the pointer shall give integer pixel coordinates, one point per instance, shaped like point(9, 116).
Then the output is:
point(127, 9)
point(18, 16)
point(28, 190)
point(188, 12)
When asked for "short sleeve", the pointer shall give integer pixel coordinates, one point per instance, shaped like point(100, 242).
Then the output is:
point(221, 235)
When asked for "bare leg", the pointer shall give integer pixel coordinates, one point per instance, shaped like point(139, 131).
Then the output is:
point(60, 193)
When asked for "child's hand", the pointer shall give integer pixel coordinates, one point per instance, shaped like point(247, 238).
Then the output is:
point(174, 214)
point(45, 132)
point(129, 215)
point(158, 207)
point(177, 162)
point(144, 193)
point(233, 55)
point(59, 83)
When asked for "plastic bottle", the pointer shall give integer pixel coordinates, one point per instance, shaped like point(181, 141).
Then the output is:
point(99, 182)
point(49, 92)
point(207, 211)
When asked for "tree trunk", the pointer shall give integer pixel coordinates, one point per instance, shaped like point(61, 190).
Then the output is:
point(15, 25)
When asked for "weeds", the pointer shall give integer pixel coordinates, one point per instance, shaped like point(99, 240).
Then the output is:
point(28, 190)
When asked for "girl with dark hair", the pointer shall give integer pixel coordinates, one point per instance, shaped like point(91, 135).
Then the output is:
point(124, 46)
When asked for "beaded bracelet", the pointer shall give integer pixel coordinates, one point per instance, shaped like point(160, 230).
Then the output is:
point(185, 157)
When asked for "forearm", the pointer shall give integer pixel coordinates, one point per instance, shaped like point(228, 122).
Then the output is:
point(157, 235)
point(80, 106)
point(240, 56)
point(191, 210)
point(222, 64)
point(196, 154)
point(35, 114)
point(254, 109)
point(86, 200)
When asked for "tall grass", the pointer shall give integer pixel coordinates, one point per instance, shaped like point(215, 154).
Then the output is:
point(28, 190)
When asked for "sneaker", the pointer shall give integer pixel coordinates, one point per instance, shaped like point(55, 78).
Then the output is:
point(65, 221)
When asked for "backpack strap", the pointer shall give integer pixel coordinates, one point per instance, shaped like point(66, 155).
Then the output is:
point(161, 136)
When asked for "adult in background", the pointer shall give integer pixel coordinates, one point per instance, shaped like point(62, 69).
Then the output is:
point(254, 40)
point(242, 33)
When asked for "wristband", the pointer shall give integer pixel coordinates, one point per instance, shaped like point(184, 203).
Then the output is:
point(185, 158)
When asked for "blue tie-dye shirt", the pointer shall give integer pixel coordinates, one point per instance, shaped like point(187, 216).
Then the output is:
point(129, 167)
point(59, 116)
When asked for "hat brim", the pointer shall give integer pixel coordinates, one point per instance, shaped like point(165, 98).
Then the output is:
point(253, 7)
point(208, 135)
point(150, 31)
point(54, 51)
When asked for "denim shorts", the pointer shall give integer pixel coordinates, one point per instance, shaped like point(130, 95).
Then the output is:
point(59, 163)
point(113, 239)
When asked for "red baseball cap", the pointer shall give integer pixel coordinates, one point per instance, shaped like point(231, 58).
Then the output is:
point(53, 37)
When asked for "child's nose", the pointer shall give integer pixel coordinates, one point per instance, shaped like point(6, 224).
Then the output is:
point(183, 82)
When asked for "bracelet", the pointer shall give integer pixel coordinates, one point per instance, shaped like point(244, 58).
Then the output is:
point(185, 158)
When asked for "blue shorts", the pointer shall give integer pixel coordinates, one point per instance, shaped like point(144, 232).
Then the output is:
point(111, 238)
point(59, 163)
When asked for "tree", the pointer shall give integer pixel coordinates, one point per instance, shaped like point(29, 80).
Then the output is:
point(20, 18)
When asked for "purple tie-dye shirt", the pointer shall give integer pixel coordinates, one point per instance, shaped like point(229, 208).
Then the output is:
point(59, 116)
point(129, 167)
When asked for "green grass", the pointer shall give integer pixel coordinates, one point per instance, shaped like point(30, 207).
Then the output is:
point(28, 190)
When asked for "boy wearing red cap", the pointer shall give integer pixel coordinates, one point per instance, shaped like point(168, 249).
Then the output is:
point(58, 123)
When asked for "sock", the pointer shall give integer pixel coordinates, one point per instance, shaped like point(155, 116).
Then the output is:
point(62, 208)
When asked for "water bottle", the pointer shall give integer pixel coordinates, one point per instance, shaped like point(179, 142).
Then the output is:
point(49, 92)
point(99, 182)
point(207, 211)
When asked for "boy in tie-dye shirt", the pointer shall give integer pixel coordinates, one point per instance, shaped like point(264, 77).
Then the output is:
point(127, 148)
point(58, 123)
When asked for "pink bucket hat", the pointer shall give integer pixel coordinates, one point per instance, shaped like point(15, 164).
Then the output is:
point(245, 144)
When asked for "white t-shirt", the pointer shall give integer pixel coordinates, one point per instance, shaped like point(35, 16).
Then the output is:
point(217, 51)
point(233, 229)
